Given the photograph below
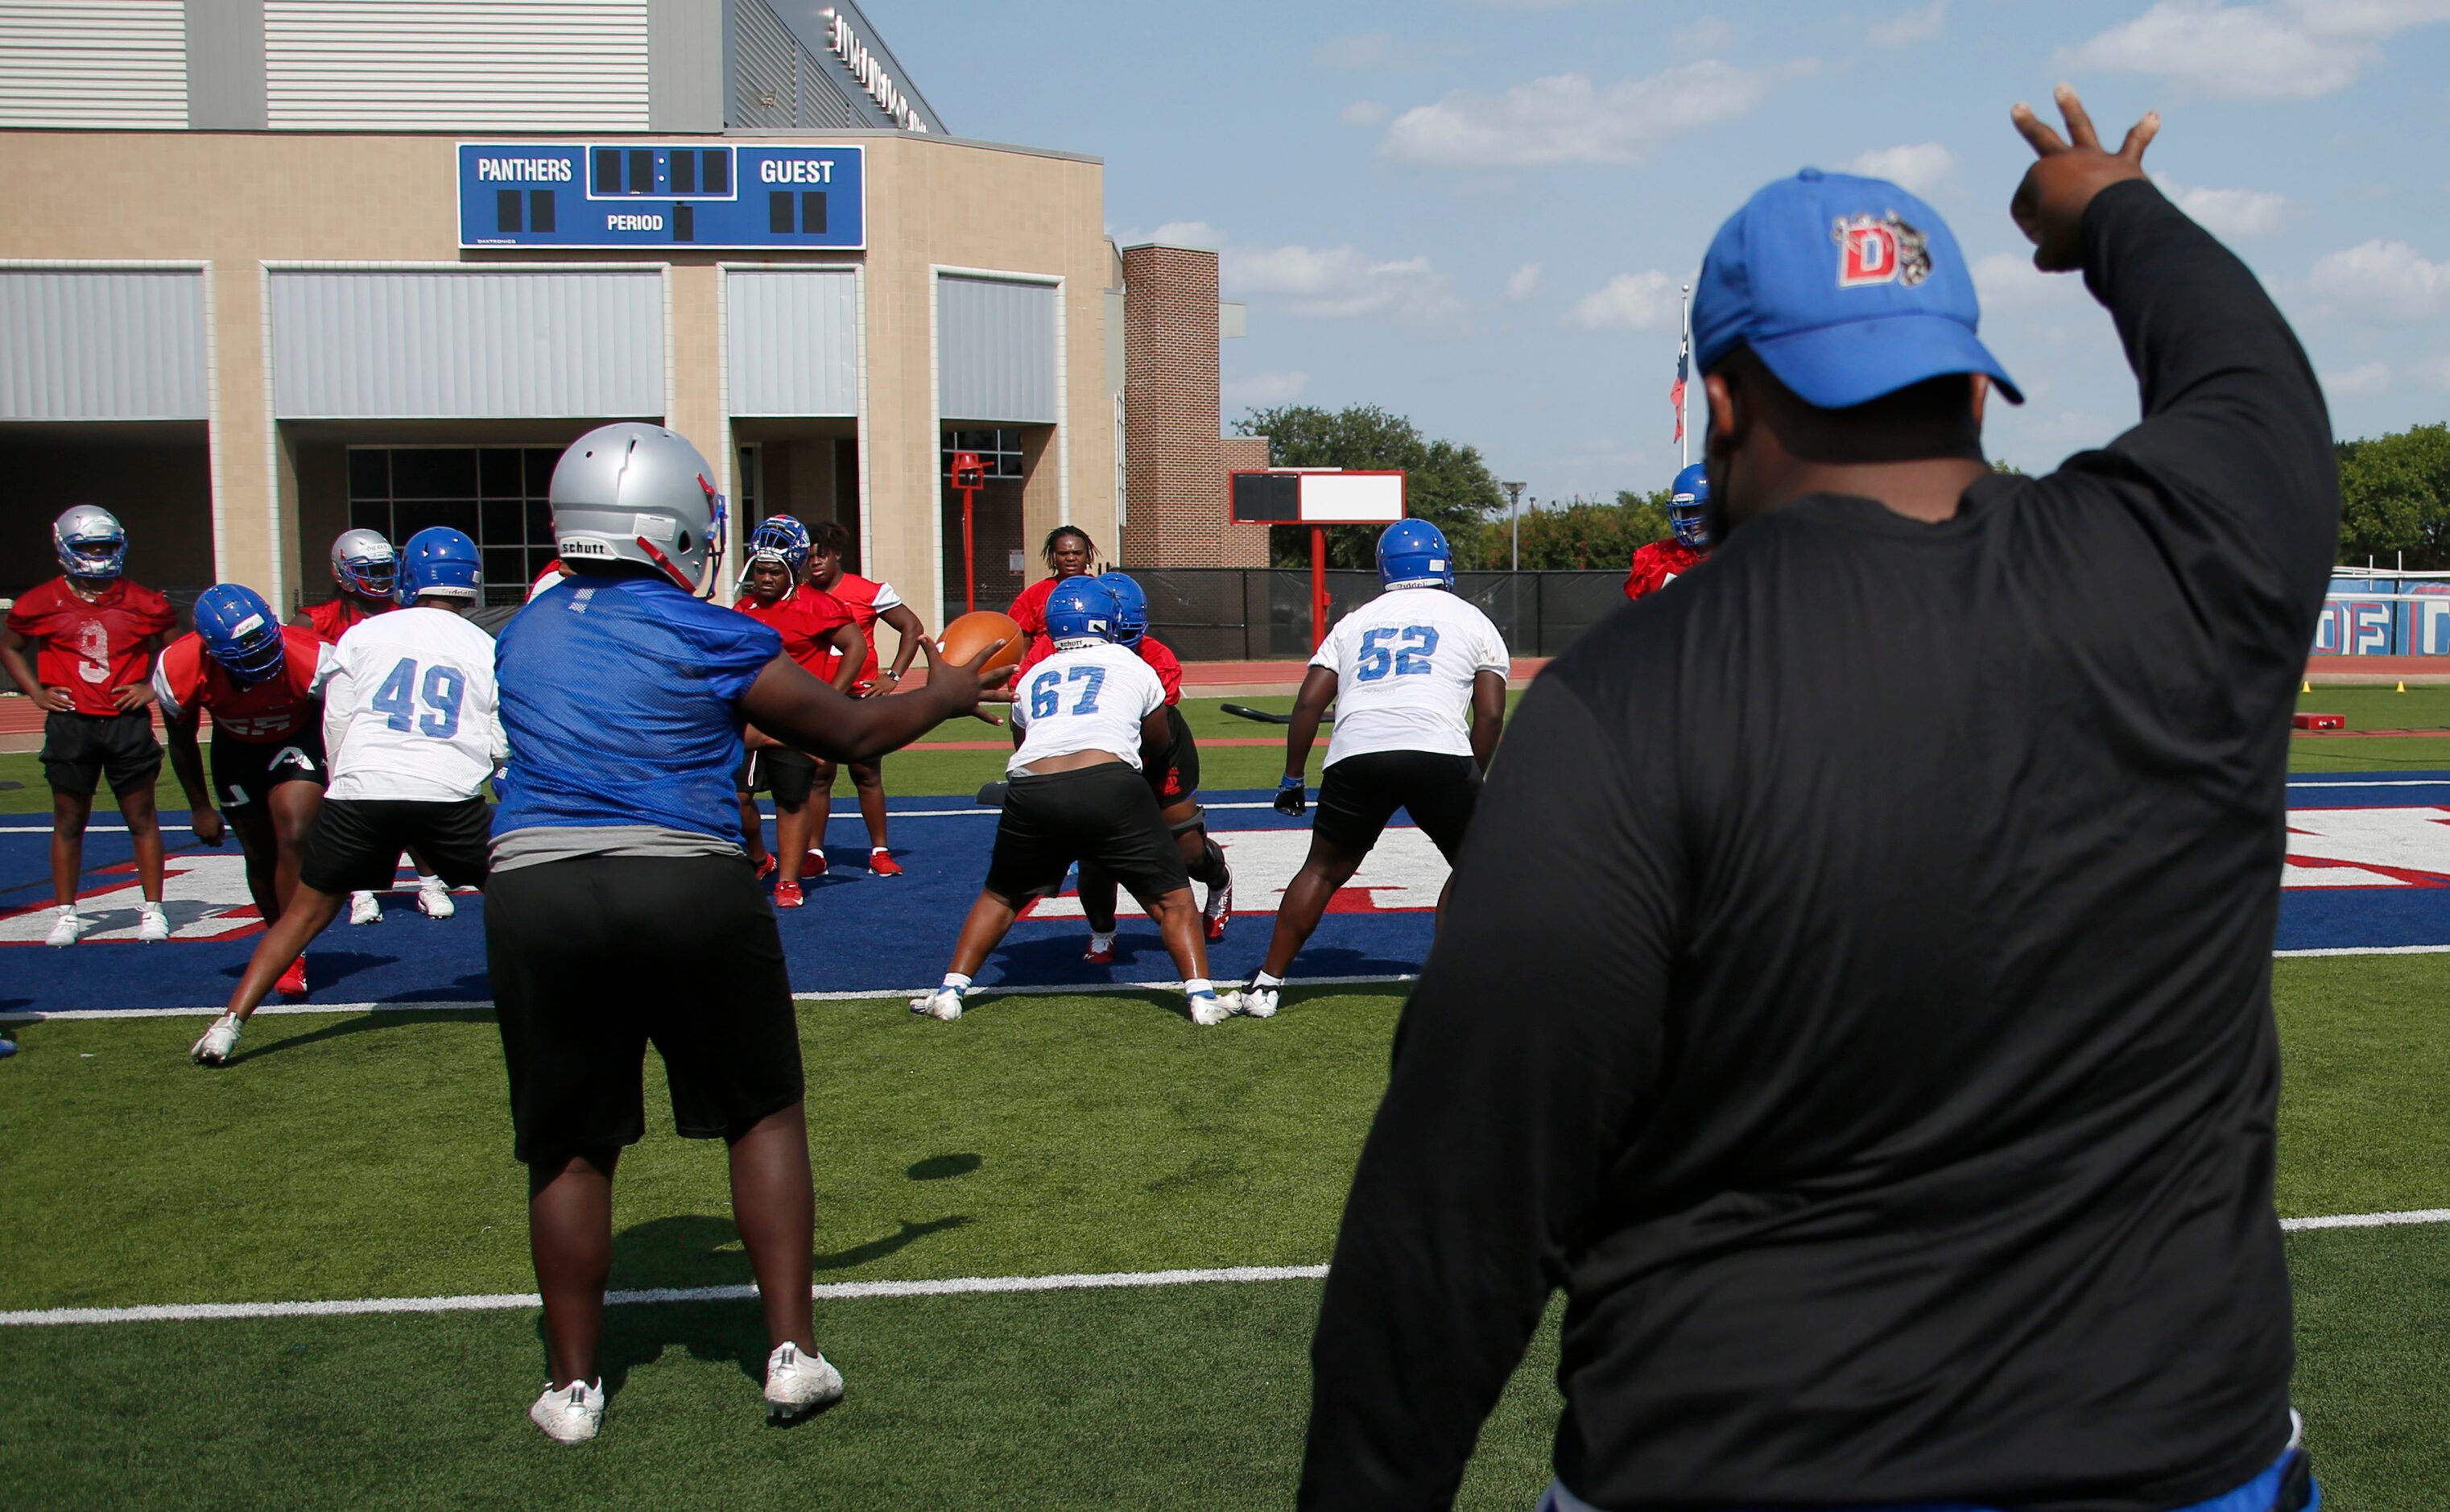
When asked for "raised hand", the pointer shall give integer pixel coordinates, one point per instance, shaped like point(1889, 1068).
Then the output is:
point(2049, 205)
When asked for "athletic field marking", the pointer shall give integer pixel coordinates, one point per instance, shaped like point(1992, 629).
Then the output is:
point(840, 1291)
point(2363, 950)
point(2353, 782)
point(514, 1301)
point(838, 819)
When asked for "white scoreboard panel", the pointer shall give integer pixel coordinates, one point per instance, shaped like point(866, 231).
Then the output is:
point(1318, 496)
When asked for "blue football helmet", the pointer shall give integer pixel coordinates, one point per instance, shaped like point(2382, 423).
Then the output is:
point(240, 631)
point(90, 541)
point(779, 537)
point(1081, 612)
point(441, 561)
point(364, 564)
point(1131, 607)
point(1414, 553)
point(1688, 507)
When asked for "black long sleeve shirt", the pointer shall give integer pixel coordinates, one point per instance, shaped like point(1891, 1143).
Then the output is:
point(1855, 992)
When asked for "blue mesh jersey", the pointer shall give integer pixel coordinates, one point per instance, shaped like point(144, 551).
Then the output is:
point(621, 699)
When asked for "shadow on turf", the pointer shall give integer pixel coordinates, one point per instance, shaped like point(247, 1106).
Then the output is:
point(362, 1023)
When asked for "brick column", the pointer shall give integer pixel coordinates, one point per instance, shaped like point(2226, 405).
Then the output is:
point(1174, 471)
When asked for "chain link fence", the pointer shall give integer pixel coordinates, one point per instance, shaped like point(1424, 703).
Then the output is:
point(1262, 613)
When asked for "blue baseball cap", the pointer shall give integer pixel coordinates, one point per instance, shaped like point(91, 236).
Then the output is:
point(1849, 288)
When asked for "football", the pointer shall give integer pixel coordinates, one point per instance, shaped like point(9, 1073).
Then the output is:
point(971, 633)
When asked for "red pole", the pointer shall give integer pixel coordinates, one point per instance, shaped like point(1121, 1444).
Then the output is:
point(1317, 587)
point(969, 552)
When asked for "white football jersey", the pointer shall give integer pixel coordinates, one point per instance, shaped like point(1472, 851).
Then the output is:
point(411, 710)
point(1091, 699)
point(1404, 665)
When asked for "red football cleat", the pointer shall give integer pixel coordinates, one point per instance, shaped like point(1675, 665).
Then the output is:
point(881, 864)
point(814, 864)
point(787, 895)
point(1217, 926)
point(765, 867)
point(293, 982)
point(1098, 958)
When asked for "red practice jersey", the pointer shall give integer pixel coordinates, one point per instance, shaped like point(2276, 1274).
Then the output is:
point(274, 709)
point(1659, 564)
point(807, 619)
point(331, 619)
point(867, 600)
point(92, 646)
point(1154, 651)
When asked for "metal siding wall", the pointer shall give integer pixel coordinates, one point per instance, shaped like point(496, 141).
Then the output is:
point(453, 344)
point(94, 63)
point(456, 64)
point(684, 65)
point(102, 344)
point(996, 351)
point(793, 336)
point(764, 94)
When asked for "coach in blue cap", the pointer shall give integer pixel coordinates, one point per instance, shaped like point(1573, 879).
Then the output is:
point(1855, 995)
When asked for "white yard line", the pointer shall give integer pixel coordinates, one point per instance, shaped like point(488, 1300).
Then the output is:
point(2365, 950)
point(840, 1291)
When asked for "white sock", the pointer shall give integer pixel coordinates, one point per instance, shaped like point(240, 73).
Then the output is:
point(1197, 986)
point(68, 911)
point(876, 850)
point(1102, 940)
point(1260, 978)
point(955, 983)
point(428, 883)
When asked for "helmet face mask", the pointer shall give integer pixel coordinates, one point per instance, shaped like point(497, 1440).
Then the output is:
point(1688, 507)
point(1414, 553)
point(240, 632)
point(90, 542)
point(783, 541)
point(1081, 612)
point(364, 563)
point(637, 493)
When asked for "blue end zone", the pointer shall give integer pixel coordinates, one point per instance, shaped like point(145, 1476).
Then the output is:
point(2369, 853)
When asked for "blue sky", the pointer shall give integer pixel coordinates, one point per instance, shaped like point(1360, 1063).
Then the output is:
point(1478, 212)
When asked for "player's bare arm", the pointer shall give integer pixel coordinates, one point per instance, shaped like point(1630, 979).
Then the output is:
point(188, 764)
point(1309, 708)
point(912, 629)
point(1487, 717)
point(852, 649)
point(796, 708)
point(12, 655)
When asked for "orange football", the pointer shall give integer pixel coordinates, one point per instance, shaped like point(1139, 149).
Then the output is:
point(971, 633)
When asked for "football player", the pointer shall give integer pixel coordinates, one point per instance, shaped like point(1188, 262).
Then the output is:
point(262, 681)
point(412, 730)
point(1660, 563)
point(1418, 679)
point(869, 602)
point(1172, 773)
point(1068, 553)
point(95, 634)
point(1085, 721)
point(366, 571)
point(819, 635)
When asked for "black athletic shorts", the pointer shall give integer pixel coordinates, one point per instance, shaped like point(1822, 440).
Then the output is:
point(1103, 814)
point(1360, 793)
point(79, 750)
point(594, 957)
point(246, 771)
point(789, 775)
point(356, 842)
point(1175, 775)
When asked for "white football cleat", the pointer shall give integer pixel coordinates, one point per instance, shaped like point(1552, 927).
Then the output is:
point(1259, 1003)
point(435, 902)
point(152, 925)
point(365, 908)
point(215, 1047)
point(945, 1002)
point(569, 1414)
point(66, 927)
point(797, 1385)
point(1207, 1008)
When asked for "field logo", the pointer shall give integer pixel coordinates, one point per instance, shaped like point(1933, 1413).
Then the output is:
point(1882, 251)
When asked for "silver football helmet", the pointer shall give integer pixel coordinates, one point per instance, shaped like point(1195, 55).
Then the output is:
point(639, 492)
point(363, 563)
point(90, 541)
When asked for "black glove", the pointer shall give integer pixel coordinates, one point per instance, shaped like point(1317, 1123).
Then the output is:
point(1291, 799)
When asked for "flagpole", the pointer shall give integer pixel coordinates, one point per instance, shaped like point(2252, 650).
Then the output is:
point(1683, 397)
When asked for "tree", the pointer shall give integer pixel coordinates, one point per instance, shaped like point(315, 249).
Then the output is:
point(1446, 484)
point(2395, 498)
point(1586, 534)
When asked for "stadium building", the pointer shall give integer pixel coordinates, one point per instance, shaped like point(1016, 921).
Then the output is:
point(278, 267)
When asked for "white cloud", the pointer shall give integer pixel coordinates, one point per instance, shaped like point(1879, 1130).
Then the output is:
point(1918, 168)
point(2009, 280)
point(1362, 49)
point(1364, 114)
point(1566, 118)
point(1708, 34)
point(1524, 281)
point(1629, 302)
point(2277, 49)
point(2384, 279)
point(1181, 233)
point(2232, 213)
point(1340, 282)
point(1259, 390)
point(1918, 24)
point(2372, 377)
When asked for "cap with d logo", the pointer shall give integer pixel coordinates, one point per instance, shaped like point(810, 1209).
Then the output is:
point(1847, 287)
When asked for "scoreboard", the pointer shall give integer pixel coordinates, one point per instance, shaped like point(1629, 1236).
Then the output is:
point(639, 195)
